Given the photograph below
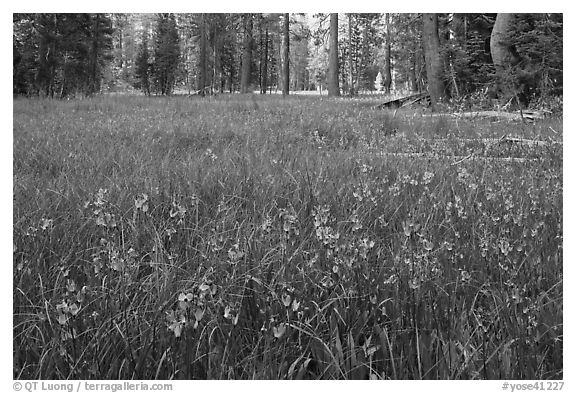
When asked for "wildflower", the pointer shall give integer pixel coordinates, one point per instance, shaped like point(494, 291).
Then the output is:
point(505, 246)
point(289, 222)
point(141, 202)
point(364, 246)
point(279, 330)
point(234, 254)
point(46, 223)
point(183, 297)
point(428, 245)
point(176, 323)
point(101, 197)
point(70, 285)
point(357, 224)
point(465, 276)
point(266, 226)
point(208, 153)
point(407, 228)
point(198, 314)
point(427, 178)
point(295, 305)
point(177, 211)
point(286, 300)
point(230, 313)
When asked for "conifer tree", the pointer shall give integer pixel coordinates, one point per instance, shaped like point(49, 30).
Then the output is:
point(142, 71)
point(166, 53)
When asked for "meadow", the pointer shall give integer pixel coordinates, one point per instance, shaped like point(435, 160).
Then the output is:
point(249, 237)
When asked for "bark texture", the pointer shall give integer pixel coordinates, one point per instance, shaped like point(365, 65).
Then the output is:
point(511, 82)
point(503, 52)
point(333, 72)
point(286, 55)
point(434, 68)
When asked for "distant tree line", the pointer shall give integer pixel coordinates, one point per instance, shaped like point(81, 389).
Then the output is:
point(507, 56)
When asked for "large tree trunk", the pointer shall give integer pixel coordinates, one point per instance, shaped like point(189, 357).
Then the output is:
point(246, 55)
point(434, 69)
point(286, 55)
point(504, 55)
point(333, 73)
point(202, 58)
point(503, 52)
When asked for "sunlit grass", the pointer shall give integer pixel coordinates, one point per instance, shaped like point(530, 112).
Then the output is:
point(238, 237)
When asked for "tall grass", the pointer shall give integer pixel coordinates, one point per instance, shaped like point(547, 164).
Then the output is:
point(259, 238)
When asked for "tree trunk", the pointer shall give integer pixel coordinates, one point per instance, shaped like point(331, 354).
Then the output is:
point(333, 73)
point(286, 55)
point(121, 47)
point(504, 55)
point(265, 65)
point(260, 51)
point(412, 73)
point(350, 58)
point(503, 52)
point(387, 58)
point(246, 55)
point(202, 58)
point(434, 70)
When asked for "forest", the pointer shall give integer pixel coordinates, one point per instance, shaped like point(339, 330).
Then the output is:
point(452, 56)
point(288, 196)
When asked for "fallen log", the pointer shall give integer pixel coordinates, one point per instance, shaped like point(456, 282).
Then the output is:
point(531, 142)
point(520, 115)
point(404, 101)
point(458, 158)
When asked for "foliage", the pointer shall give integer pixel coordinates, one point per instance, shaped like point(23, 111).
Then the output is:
point(539, 39)
point(468, 53)
point(60, 54)
point(188, 238)
point(406, 31)
point(166, 53)
point(359, 37)
point(143, 66)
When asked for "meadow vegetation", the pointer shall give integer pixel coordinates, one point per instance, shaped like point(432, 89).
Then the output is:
point(263, 238)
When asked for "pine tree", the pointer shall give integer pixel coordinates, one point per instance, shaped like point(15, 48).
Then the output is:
point(142, 69)
point(25, 55)
point(166, 53)
point(65, 53)
point(99, 50)
point(202, 66)
point(246, 69)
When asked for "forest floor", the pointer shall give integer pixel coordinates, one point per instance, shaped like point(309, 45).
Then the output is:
point(250, 237)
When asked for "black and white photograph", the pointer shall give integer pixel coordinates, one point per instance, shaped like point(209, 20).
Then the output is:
point(287, 196)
